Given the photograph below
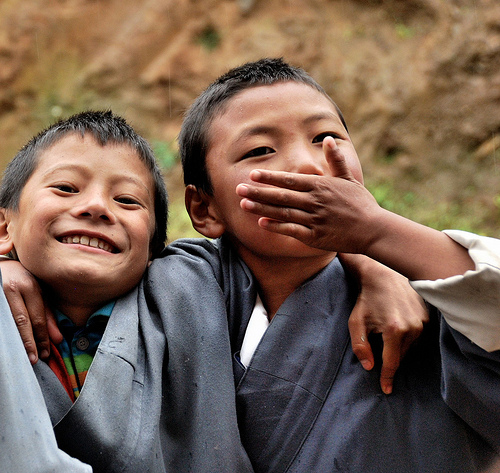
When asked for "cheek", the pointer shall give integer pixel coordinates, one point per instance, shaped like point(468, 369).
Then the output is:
point(355, 166)
point(141, 235)
point(225, 189)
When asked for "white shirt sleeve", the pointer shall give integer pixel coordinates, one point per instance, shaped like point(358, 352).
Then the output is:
point(470, 303)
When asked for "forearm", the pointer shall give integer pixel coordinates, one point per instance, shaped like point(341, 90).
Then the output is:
point(361, 266)
point(416, 251)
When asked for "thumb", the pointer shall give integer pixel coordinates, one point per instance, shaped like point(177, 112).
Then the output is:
point(336, 160)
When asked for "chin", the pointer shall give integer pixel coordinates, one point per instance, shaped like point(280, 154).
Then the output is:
point(290, 247)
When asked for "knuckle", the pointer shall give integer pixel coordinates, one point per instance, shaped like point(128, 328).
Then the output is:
point(356, 320)
point(21, 319)
point(358, 349)
point(16, 286)
point(396, 329)
point(322, 186)
point(287, 213)
point(10, 286)
point(283, 197)
point(416, 329)
point(29, 346)
point(289, 180)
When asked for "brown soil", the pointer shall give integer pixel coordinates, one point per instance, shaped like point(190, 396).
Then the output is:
point(418, 80)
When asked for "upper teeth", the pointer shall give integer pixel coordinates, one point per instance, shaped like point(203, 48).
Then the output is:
point(85, 240)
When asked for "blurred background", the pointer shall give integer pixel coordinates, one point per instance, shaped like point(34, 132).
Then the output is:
point(417, 80)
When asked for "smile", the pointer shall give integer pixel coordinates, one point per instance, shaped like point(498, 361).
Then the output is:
point(88, 241)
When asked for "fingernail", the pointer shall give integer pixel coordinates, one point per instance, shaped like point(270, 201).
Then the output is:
point(387, 389)
point(32, 358)
point(264, 222)
point(242, 189)
point(248, 204)
point(255, 175)
point(366, 364)
point(44, 354)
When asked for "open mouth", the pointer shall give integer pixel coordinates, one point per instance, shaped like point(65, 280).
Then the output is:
point(88, 241)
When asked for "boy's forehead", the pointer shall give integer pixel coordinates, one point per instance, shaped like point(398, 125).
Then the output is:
point(254, 101)
point(77, 152)
point(74, 146)
point(267, 94)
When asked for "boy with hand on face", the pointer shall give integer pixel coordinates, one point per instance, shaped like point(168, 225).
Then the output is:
point(457, 271)
point(304, 404)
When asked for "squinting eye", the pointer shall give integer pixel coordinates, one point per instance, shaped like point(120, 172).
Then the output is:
point(67, 189)
point(319, 138)
point(259, 152)
point(126, 201)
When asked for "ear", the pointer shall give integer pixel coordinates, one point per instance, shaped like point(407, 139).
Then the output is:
point(6, 243)
point(204, 217)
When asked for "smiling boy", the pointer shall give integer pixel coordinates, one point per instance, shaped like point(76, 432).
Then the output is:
point(304, 405)
point(91, 219)
point(84, 208)
point(94, 224)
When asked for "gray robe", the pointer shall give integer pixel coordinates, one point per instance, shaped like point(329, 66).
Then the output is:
point(306, 405)
point(159, 395)
point(27, 441)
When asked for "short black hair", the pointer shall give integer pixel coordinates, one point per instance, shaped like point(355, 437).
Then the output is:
point(105, 127)
point(193, 137)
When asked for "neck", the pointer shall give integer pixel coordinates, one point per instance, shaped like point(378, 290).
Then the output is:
point(278, 278)
point(77, 309)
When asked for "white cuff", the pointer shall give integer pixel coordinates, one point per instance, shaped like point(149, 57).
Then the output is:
point(470, 303)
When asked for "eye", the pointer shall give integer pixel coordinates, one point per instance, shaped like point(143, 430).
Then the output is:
point(319, 138)
point(261, 151)
point(65, 188)
point(127, 200)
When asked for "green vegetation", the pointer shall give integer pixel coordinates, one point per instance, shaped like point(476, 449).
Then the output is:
point(404, 31)
point(179, 223)
point(209, 38)
point(165, 153)
point(441, 215)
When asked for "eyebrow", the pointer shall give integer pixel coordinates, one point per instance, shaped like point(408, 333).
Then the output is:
point(81, 169)
point(317, 117)
point(255, 131)
point(267, 129)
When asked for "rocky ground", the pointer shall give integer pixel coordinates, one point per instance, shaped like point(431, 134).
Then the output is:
point(418, 81)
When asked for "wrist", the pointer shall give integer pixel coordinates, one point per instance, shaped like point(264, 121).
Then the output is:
point(363, 268)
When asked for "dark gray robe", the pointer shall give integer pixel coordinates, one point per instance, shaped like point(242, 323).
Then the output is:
point(306, 405)
point(159, 395)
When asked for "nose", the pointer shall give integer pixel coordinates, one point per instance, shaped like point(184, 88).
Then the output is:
point(93, 205)
point(307, 160)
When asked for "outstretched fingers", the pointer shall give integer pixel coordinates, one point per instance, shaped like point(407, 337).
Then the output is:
point(284, 202)
point(282, 179)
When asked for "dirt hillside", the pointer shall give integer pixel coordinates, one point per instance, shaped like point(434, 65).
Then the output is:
point(418, 81)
